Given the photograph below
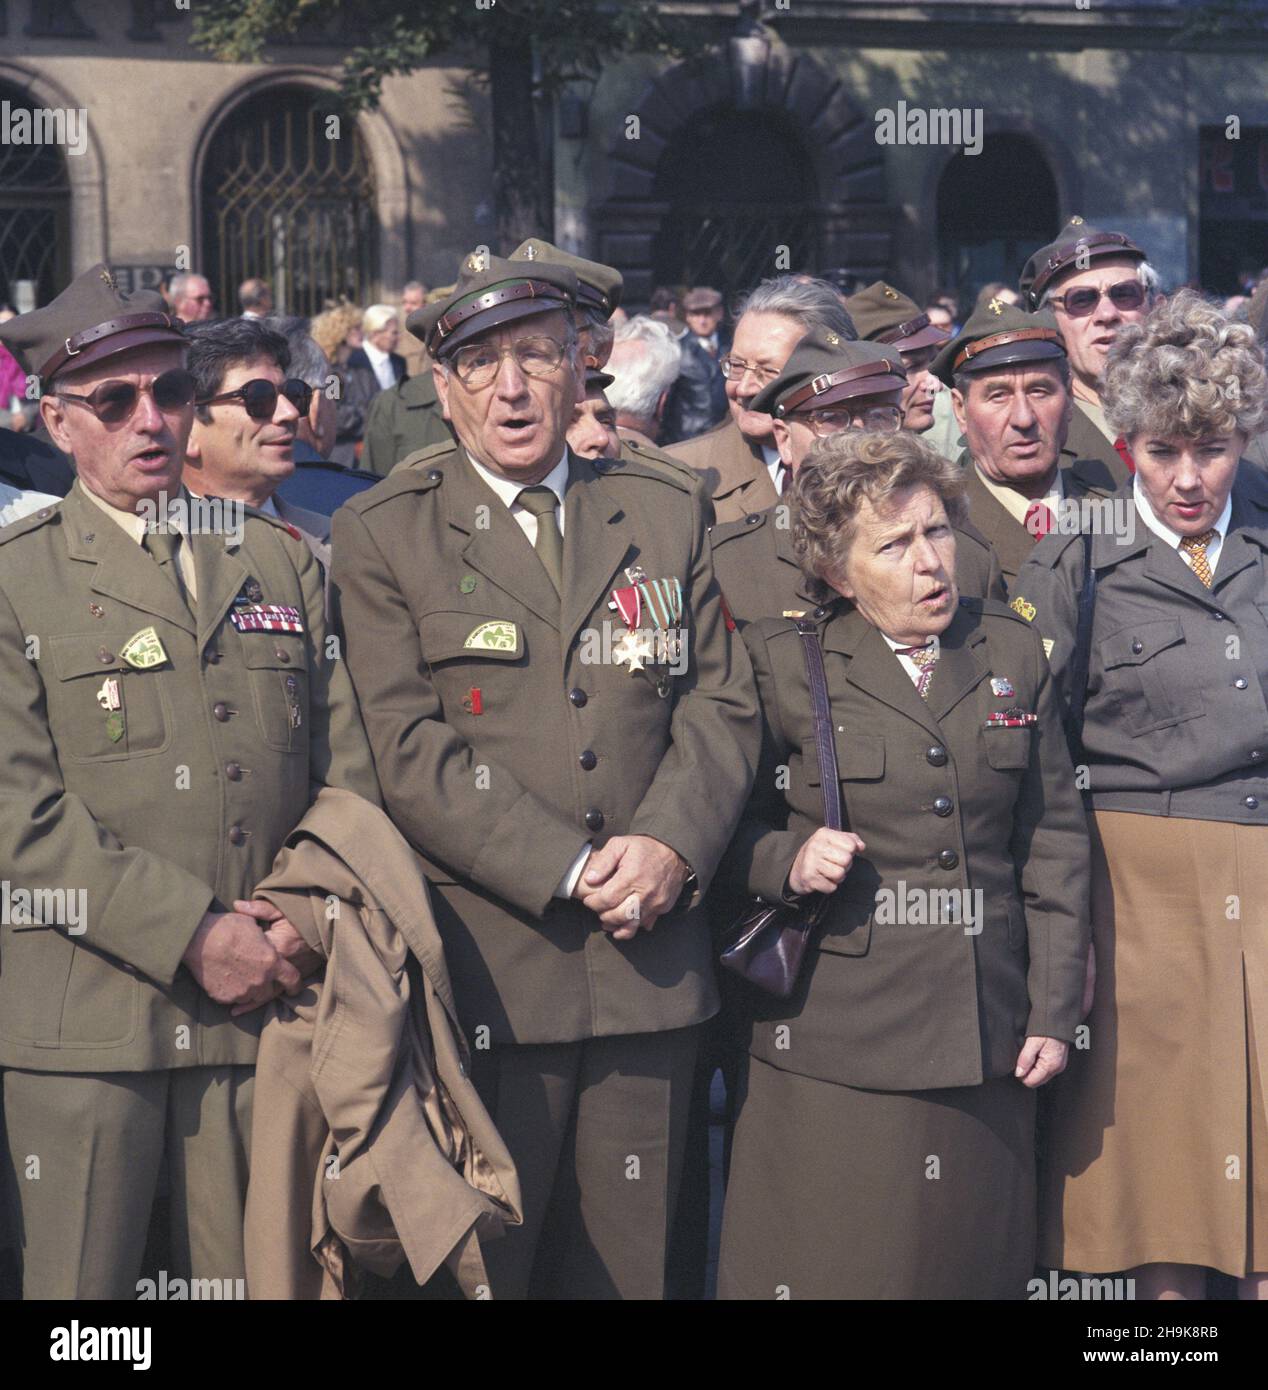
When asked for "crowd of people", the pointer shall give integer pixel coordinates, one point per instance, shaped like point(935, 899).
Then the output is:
point(420, 848)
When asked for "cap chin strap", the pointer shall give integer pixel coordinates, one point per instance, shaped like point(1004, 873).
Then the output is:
point(501, 294)
point(1020, 335)
point(77, 342)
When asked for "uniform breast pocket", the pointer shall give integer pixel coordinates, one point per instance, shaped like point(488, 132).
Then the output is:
point(470, 652)
point(1149, 667)
point(101, 709)
point(860, 757)
point(1008, 750)
point(277, 664)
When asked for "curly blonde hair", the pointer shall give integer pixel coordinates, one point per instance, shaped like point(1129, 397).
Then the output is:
point(1188, 371)
point(331, 327)
point(840, 471)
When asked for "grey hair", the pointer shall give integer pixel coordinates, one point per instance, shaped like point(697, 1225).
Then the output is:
point(1188, 370)
point(1145, 273)
point(413, 285)
point(308, 362)
point(378, 316)
point(840, 472)
point(178, 284)
point(642, 377)
point(812, 303)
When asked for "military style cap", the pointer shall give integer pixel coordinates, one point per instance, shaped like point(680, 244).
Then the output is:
point(824, 369)
point(490, 292)
point(884, 315)
point(1077, 241)
point(90, 320)
point(597, 380)
point(701, 298)
point(996, 335)
point(598, 286)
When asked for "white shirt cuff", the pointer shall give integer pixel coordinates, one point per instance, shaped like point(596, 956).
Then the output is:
point(569, 880)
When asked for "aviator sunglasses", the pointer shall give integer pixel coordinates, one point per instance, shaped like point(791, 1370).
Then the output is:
point(114, 401)
point(1127, 294)
point(259, 396)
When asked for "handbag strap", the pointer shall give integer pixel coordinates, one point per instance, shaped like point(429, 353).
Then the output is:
point(1080, 662)
point(825, 744)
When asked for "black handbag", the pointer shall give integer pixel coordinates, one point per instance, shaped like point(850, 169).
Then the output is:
point(767, 944)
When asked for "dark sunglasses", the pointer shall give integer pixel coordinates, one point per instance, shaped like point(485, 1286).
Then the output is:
point(259, 397)
point(1127, 294)
point(114, 401)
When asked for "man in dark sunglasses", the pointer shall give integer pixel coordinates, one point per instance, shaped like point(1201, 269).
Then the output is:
point(1095, 282)
point(247, 413)
point(169, 714)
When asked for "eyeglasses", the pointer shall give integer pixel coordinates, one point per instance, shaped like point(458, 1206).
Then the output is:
point(1079, 303)
point(114, 401)
point(733, 368)
point(259, 396)
point(478, 363)
point(884, 419)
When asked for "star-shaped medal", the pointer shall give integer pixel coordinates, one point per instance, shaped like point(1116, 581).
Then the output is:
point(634, 647)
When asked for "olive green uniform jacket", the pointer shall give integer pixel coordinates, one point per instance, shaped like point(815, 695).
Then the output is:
point(401, 421)
point(941, 802)
point(501, 759)
point(760, 578)
point(1176, 720)
point(734, 471)
point(222, 747)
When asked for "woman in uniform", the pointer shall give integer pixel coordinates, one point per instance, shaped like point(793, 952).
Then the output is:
point(1158, 1151)
point(885, 1140)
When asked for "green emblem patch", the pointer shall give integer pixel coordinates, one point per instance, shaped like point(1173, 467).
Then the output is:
point(143, 650)
point(494, 636)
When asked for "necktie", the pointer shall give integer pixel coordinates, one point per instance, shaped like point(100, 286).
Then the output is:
point(925, 658)
point(1195, 548)
point(785, 478)
point(1038, 520)
point(541, 502)
point(163, 545)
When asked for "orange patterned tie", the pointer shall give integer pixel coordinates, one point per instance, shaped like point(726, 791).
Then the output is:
point(925, 658)
point(1195, 548)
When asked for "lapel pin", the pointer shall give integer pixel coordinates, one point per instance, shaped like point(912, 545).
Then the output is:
point(473, 701)
point(1001, 685)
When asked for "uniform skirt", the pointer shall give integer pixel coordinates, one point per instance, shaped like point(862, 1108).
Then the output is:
point(1156, 1146)
point(838, 1193)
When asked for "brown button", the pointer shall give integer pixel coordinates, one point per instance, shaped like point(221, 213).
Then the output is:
point(233, 772)
point(211, 656)
point(236, 834)
point(588, 759)
point(948, 859)
point(594, 819)
point(943, 806)
point(282, 655)
point(221, 711)
point(105, 655)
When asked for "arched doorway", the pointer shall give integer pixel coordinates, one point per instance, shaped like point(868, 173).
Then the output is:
point(738, 185)
point(34, 211)
point(288, 196)
point(994, 209)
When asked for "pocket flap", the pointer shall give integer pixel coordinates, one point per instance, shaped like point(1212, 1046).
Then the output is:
point(274, 651)
point(81, 655)
point(1140, 642)
point(1007, 748)
point(445, 636)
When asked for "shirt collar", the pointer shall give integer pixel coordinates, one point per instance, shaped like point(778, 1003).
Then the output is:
point(1145, 511)
point(1017, 505)
point(133, 525)
point(508, 490)
point(894, 646)
point(376, 355)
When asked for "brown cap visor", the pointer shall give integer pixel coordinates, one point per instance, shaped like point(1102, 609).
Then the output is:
point(868, 380)
point(107, 339)
point(1022, 335)
point(913, 335)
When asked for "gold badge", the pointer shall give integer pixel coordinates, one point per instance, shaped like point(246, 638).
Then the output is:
point(996, 306)
point(109, 281)
point(833, 340)
point(889, 293)
point(1025, 608)
point(143, 650)
point(475, 262)
point(494, 636)
point(1076, 221)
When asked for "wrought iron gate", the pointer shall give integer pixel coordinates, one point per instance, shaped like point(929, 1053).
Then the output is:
point(34, 213)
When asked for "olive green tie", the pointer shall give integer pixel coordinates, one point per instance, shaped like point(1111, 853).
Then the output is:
point(541, 502)
point(162, 545)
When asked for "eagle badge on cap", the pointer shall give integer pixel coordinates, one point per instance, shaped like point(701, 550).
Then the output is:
point(110, 282)
point(833, 340)
point(889, 293)
point(530, 253)
point(996, 306)
point(1076, 221)
point(475, 262)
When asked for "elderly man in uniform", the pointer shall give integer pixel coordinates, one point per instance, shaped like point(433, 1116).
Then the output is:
point(564, 728)
point(827, 386)
point(1095, 283)
point(1010, 380)
point(882, 314)
point(592, 433)
point(740, 459)
point(171, 712)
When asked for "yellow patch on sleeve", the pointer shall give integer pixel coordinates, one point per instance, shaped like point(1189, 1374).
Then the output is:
point(1024, 607)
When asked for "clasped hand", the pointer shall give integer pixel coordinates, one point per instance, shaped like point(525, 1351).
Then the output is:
point(630, 882)
point(248, 956)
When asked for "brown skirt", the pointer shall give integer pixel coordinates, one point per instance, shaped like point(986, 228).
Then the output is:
point(839, 1193)
point(1155, 1139)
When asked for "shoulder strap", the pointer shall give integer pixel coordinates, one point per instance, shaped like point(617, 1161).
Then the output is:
point(1082, 658)
point(824, 742)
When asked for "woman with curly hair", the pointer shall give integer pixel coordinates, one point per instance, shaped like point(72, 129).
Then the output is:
point(1157, 1151)
point(337, 331)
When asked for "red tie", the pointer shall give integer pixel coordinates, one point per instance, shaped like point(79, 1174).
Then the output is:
point(1125, 453)
point(1038, 520)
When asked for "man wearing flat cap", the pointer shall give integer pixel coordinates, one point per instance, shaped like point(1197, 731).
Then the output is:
point(827, 385)
point(171, 711)
point(705, 313)
point(1095, 283)
point(565, 730)
point(883, 314)
point(1010, 381)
